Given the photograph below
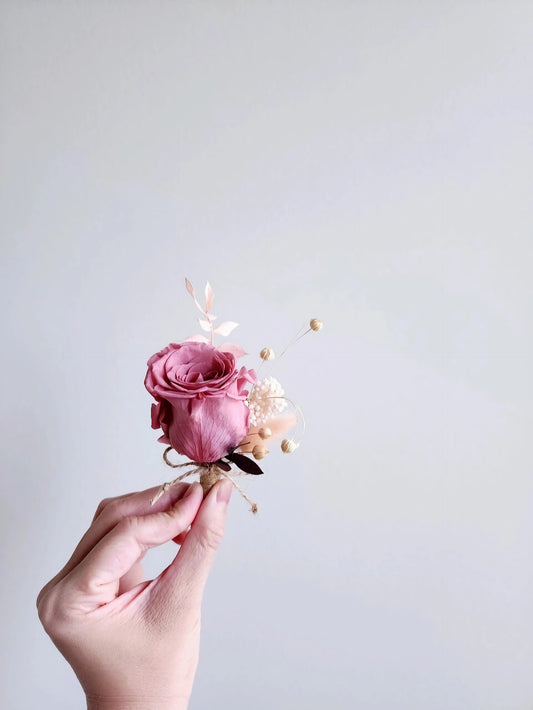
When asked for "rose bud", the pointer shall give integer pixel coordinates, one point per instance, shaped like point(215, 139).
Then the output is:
point(200, 396)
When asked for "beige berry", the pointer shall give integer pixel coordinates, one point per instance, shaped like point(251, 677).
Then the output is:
point(259, 452)
point(267, 354)
point(288, 446)
point(265, 432)
point(315, 324)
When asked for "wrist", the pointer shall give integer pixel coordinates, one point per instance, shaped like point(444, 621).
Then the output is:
point(96, 702)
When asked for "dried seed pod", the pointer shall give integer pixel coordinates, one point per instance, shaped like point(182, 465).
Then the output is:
point(259, 452)
point(315, 324)
point(288, 446)
point(265, 432)
point(267, 354)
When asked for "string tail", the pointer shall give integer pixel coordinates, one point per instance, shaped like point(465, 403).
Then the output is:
point(253, 506)
point(164, 488)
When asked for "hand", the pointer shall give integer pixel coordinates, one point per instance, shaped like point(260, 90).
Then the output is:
point(134, 643)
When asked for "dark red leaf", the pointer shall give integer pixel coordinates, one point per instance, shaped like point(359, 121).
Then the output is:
point(245, 464)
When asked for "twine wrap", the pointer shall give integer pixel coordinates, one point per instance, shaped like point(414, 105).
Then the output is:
point(210, 473)
point(208, 477)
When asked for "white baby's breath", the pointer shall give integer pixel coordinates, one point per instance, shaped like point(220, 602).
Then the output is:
point(265, 401)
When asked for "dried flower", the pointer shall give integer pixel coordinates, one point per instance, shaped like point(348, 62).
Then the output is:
point(288, 446)
point(205, 410)
point(267, 354)
point(259, 452)
point(265, 401)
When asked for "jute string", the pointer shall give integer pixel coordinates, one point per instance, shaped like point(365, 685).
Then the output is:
point(209, 475)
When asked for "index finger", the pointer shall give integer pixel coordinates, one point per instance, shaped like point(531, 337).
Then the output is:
point(95, 581)
point(110, 512)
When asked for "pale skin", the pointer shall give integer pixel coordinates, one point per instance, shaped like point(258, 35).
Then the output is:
point(134, 643)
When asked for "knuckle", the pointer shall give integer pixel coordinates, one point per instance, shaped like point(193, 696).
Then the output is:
point(128, 525)
point(114, 507)
point(42, 594)
point(211, 537)
point(101, 507)
point(44, 613)
point(51, 613)
point(110, 510)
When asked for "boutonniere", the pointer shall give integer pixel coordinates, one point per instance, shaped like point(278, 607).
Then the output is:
point(217, 414)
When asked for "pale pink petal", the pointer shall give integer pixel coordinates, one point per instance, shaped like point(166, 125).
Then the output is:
point(205, 325)
point(196, 339)
point(208, 297)
point(189, 287)
point(226, 328)
point(233, 349)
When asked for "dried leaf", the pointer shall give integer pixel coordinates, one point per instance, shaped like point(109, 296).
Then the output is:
point(226, 328)
point(208, 297)
point(189, 287)
point(205, 325)
point(235, 350)
point(245, 464)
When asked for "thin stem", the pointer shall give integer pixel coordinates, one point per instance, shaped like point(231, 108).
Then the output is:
point(298, 336)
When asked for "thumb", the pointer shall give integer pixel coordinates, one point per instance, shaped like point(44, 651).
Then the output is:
point(184, 580)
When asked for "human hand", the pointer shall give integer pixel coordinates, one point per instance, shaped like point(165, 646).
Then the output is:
point(134, 643)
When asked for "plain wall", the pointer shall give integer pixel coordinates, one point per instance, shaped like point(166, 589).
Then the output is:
point(367, 163)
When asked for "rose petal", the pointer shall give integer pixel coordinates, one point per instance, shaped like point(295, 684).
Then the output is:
point(206, 429)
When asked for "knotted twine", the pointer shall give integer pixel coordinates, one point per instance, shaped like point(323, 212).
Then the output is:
point(210, 473)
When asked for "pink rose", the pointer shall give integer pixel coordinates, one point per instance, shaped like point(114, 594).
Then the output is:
point(200, 397)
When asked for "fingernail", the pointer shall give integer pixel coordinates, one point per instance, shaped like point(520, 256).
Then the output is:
point(224, 491)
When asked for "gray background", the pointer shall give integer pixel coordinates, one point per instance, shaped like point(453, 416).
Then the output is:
point(368, 163)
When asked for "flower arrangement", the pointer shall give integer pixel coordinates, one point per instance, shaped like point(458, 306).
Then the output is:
point(212, 411)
